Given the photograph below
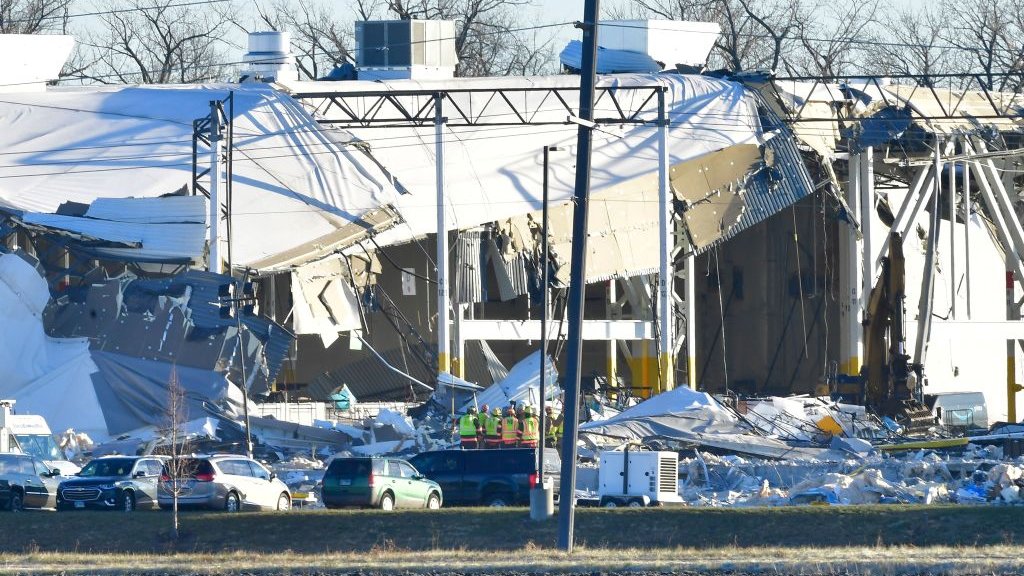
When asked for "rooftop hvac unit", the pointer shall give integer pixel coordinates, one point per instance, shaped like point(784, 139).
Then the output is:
point(414, 49)
point(670, 42)
point(634, 478)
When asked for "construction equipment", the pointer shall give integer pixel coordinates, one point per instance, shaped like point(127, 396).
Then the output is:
point(893, 385)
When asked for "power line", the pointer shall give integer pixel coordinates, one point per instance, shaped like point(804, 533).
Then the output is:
point(850, 40)
point(114, 11)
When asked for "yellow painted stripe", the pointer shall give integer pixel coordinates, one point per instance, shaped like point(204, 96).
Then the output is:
point(1011, 388)
point(851, 367)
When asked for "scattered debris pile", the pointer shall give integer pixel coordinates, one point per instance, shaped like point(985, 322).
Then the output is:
point(975, 475)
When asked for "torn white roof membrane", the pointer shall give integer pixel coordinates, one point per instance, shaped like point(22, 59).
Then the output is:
point(141, 229)
point(296, 189)
point(522, 385)
point(48, 376)
point(495, 172)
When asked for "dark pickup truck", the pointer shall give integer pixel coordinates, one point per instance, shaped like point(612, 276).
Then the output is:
point(486, 477)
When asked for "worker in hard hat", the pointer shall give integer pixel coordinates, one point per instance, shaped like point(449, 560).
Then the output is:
point(553, 423)
point(469, 429)
point(492, 430)
point(529, 429)
point(484, 416)
point(510, 429)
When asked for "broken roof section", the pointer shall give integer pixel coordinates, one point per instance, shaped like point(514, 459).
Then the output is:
point(882, 108)
point(99, 358)
point(300, 191)
point(497, 129)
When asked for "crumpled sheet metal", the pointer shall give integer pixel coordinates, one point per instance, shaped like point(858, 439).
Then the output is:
point(696, 418)
point(977, 476)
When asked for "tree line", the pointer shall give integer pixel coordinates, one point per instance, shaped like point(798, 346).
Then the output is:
point(184, 41)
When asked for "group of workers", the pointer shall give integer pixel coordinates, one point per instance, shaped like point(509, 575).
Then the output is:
point(516, 428)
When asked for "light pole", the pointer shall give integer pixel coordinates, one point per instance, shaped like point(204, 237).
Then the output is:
point(233, 305)
point(545, 507)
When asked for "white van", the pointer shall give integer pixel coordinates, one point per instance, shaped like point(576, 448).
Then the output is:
point(30, 434)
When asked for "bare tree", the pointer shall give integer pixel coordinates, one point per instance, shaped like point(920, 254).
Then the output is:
point(177, 480)
point(756, 35)
point(320, 41)
point(34, 16)
point(913, 45)
point(988, 35)
point(157, 42)
point(833, 39)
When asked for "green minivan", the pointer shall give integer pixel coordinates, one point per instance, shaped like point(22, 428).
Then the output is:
point(385, 483)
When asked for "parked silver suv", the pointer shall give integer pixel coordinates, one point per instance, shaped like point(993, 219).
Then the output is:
point(223, 482)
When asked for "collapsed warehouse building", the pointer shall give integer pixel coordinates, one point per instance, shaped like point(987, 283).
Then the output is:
point(738, 227)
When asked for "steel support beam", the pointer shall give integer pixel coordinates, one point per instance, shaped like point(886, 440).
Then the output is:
point(868, 217)
point(213, 259)
point(851, 282)
point(666, 245)
point(609, 331)
point(443, 301)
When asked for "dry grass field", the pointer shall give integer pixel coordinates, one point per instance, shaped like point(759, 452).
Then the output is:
point(806, 540)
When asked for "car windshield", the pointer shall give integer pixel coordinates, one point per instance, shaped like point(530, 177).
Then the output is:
point(41, 446)
point(108, 467)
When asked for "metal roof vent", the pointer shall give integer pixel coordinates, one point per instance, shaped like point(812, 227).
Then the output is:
point(269, 57)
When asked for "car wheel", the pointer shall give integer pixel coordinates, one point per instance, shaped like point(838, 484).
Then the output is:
point(284, 502)
point(127, 502)
point(611, 504)
point(434, 501)
point(635, 504)
point(231, 503)
point(387, 502)
point(498, 500)
point(16, 503)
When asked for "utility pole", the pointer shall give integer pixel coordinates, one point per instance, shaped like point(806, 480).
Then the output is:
point(577, 276)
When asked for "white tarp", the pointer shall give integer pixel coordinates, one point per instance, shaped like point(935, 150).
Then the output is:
point(522, 385)
point(694, 417)
point(47, 376)
point(31, 60)
point(296, 189)
point(495, 172)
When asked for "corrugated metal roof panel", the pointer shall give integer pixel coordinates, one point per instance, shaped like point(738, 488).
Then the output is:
point(162, 210)
point(136, 240)
point(204, 312)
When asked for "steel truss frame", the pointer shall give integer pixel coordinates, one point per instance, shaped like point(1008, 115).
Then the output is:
point(927, 83)
point(387, 108)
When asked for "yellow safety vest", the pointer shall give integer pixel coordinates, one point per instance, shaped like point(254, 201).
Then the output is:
point(552, 429)
point(509, 428)
point(467, 425)
point(491, 426)
point(530, 426)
